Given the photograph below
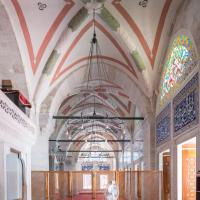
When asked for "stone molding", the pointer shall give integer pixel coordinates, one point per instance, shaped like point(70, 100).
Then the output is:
point(12, 114)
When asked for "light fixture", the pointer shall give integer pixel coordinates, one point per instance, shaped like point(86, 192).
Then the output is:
point(124, 131)
point(58, 153)
point(96, 70)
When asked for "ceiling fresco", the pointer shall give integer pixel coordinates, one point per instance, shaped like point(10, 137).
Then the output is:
point(53, 38)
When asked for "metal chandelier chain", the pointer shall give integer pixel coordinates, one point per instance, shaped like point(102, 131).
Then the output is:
point(95, 77)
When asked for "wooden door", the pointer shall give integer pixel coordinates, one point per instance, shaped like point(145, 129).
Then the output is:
point(189, 172)
point(166, 176)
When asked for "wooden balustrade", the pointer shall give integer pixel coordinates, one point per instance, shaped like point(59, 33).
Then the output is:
point(69, 188)
point(47, 185)
point(64, 185)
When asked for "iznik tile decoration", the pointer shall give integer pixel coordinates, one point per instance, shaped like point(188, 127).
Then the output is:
point(163, 123)
point(86, 167)
point(180, 61)
point(186, 106)
point(104, 167)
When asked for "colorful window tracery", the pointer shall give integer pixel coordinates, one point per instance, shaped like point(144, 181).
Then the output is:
point(179, 63)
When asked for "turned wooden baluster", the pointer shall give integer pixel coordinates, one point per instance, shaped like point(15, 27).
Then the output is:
point(47, 185)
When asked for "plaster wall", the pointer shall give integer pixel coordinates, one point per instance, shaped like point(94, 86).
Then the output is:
point(172, 145)
point(40, 154)
point(148, 158)
point(187, 21)
point(17, 133)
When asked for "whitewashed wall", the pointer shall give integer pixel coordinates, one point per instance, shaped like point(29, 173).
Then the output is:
point(16, 132)
point(40, 153)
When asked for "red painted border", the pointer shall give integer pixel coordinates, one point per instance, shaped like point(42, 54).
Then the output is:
point(103, 105)
point(85, 59)
point(35, 60)
point(60, 72)
point(100, 86)
point(113, 85)
point(151, 54)
point(127, 108)
point(67, 99)
point(123, 95)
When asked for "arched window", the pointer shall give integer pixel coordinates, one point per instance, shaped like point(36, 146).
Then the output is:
point(178, 64)
point(137, 123)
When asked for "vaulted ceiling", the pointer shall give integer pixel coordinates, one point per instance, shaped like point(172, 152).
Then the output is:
point(53, 37)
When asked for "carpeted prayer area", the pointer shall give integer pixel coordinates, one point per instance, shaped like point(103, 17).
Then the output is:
point(87, 195)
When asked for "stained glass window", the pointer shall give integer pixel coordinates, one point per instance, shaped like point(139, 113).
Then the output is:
point(179, 63)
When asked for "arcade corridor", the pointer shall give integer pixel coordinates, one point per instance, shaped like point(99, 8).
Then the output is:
point(99, 99)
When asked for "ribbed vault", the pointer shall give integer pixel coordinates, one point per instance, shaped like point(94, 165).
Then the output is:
point(54, 37)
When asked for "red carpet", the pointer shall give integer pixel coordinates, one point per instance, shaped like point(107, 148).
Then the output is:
point(86, 195)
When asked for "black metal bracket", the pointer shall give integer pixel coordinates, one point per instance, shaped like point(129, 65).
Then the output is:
point(89, 140)
point(89, 151)
point(96, 117)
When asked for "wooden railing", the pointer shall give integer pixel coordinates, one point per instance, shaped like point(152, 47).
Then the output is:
point(63, 185)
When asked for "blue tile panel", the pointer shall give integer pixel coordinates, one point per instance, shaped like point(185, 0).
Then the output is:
point(186, 106)
point(163, 123)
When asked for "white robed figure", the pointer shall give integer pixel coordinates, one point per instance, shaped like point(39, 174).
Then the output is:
point(112, 191)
